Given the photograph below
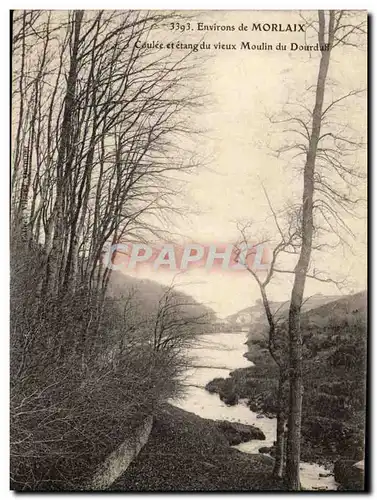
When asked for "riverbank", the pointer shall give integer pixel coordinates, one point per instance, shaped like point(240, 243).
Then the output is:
point(211, 354)
point(189, 453)
point(332, 427)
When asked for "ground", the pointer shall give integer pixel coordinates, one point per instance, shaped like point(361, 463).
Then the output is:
point(188, 453)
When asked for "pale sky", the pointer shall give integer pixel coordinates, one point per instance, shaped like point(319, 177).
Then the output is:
point(245, 87)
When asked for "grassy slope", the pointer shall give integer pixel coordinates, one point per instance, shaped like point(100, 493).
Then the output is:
point(187, 453)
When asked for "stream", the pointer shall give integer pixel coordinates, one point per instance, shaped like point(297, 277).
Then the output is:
point(216, 355)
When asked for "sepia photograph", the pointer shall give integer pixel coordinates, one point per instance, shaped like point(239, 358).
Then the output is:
point(188, 251)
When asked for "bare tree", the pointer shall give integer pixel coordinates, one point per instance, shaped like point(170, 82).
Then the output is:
point(286, 242)
point(176, 323)
point(97, 137)
point(99, 122)
point(329, 178)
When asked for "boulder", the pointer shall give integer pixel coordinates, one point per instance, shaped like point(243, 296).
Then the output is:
point(253, 405)
point(229, 399)
point(237, 433)
point(248, 355)
point(349, 475)
point(265, 449)
point(228, 392)
point(215, 385)
point(270, 450)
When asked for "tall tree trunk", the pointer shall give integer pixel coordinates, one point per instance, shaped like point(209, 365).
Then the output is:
point(56, 256)
point(295, 338)
point(280, 428)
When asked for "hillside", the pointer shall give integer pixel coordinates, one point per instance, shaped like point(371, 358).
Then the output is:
point(143, 297)
point(255, 315)
point(335, 310)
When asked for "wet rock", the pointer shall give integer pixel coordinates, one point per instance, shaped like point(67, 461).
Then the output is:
point(228, 393)
point(237, 433)
point(253, 406)
point(270, 450)
point(248, 355)
point(265, 449)
point(215, 386)
point(349, 475)
point(229, 399)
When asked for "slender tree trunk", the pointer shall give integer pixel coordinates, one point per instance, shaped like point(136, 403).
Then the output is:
point(280, 429)
point(278, 470)
point(295, 338)
point(62, 168)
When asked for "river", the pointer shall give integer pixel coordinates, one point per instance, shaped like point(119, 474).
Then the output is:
point(216, 355)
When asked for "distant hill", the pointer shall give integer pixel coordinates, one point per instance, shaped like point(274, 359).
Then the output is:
point(146, 294)
point(255, 317)
point(335, 310)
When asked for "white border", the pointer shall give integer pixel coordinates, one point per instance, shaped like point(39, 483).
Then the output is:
point(4, 185)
